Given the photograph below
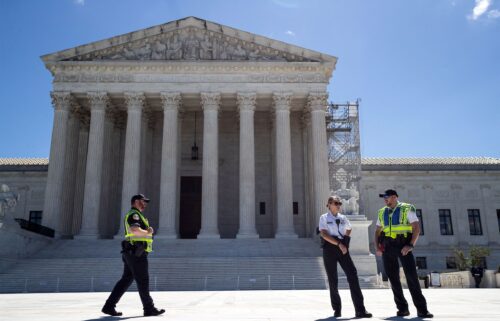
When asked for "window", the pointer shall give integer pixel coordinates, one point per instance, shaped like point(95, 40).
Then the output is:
point(475, 222)
point(421, 262)
point(421, 221)
point(36, 217)
point(445, 222)
point(295, 208)
point(262, 208)
point(451, 262)
point(498, 219)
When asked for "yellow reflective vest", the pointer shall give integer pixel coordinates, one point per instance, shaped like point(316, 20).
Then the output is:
point(129, 236)
point(396, 222)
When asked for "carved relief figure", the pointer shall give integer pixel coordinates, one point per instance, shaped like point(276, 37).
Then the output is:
point(191, 47)
point(143, 53)
point(159, 50)
point(239, 53)
point(206, 48)
point(174, 49)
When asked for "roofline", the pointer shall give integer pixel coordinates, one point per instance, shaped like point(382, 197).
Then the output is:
point(181, 24)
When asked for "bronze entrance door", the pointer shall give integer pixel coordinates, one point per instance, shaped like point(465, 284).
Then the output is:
point(190, 207)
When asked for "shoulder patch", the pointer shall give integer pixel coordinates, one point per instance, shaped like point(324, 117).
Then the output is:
point(135, 216)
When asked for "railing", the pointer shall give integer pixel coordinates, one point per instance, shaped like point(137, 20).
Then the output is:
point(35, 228)
point(206, 283)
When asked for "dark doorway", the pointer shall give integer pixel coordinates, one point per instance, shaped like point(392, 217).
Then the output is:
point(190, 207)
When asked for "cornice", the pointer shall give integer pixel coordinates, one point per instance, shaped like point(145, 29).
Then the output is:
point(88, 68)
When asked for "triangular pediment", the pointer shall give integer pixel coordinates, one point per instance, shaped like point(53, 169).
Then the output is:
point(189, 39)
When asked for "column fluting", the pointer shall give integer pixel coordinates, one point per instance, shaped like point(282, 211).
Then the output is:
point(169, 156)
point(284, 188)
point(246, 107)
point(210, 103)
point(93, 173)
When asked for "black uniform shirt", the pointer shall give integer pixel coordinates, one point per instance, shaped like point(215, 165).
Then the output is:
point(135, 220)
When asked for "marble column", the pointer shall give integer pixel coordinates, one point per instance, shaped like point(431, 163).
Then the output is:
point(83, 140)
point(169, 156)
point(93, 174)
point(61, 102)
point(131, 168)
point(246, 106)
point(284, 188)
point(317, 104)
point(70, 166)
point(210, 103)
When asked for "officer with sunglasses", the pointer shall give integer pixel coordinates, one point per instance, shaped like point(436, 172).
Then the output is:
point(395, 237)
point(335, 230)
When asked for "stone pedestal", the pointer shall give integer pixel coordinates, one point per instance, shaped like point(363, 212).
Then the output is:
point(359, 247)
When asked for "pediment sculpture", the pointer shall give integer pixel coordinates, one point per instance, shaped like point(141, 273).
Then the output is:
point(190, 44)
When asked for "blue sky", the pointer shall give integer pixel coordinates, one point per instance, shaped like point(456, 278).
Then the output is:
point(427, 71)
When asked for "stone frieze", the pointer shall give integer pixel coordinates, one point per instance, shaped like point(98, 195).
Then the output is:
point(190, 44)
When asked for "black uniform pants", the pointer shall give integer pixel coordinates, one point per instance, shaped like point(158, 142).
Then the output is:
point(331, 256)
point(134, 268)
point(390, 258)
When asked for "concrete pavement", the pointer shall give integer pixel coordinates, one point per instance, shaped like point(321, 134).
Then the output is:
point(295, 305)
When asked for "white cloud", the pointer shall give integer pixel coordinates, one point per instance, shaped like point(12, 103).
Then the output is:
point(80, 2)
point(479, 9)
point(494, 14)
point(290, 33)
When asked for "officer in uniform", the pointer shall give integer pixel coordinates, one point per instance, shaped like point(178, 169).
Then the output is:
point(395, 237)
point(135, 248)
point(335, 230)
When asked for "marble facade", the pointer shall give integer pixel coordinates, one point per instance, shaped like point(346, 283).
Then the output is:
point(124, 122)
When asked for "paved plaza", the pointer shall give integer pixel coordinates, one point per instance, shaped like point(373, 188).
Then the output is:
point(446, 304)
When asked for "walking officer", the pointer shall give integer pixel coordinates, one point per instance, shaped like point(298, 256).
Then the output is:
point(135, 248)
point(395, 237)
point(335, 230)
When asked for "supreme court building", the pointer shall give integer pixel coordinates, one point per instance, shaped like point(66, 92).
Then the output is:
point(224, 130)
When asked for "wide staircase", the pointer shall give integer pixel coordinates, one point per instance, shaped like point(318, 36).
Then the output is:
point(176, 265)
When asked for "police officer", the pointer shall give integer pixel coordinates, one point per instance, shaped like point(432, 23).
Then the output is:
point(395, 237)
point(135, 248)
point(335, 230)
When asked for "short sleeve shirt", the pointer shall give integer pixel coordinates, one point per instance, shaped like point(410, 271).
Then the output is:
point(328, 222)
point(412, 217)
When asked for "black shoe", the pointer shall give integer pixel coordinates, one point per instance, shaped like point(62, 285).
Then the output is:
point(337, 314)
point(363, 314)
point(153, 312)
point(403, 313)
point(111, 311)
point(425, 314)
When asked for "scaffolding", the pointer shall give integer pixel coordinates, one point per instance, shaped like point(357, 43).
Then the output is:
point(344, 155)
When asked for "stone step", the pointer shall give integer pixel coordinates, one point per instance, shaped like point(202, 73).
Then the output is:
point(176, 265)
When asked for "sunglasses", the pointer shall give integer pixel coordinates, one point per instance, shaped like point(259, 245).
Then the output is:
point(337, 203)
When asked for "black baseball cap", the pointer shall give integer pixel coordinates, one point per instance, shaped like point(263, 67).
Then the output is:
point(139, 197)
point(389, 192)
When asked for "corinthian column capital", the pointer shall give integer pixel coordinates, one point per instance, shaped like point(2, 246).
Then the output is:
point(282, 100)
point(99, 100)
point(246, 101)
point(62, 100)
point(210, 101)
point(134, 100)
point(317, 101)
point(170, 100)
